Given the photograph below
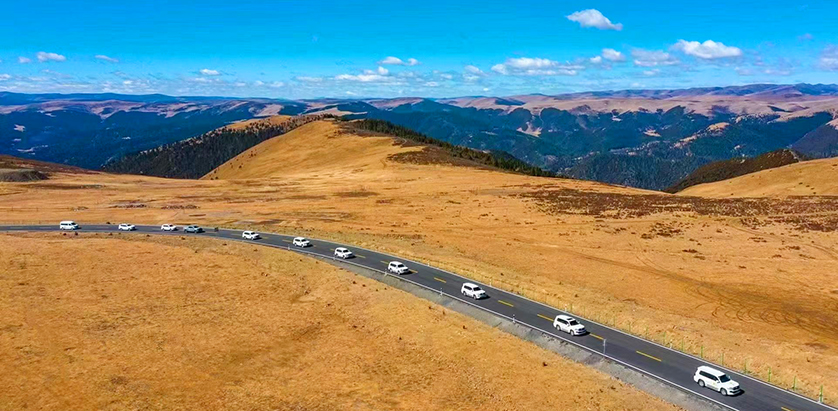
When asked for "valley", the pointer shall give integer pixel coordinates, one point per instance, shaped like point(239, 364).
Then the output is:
point(640, 138)
point(745, 281)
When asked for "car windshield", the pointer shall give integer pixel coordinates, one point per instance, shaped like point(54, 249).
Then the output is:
point(724, 378)
point(477, 289)
point(573, 322)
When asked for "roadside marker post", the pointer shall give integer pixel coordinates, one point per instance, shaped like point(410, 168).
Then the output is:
point(820, 396)
point(769, 374)
point(604, 342)
point(794, 384)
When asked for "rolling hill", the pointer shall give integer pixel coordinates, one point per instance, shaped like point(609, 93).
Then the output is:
point(631, 257)
point(806, 178)
point(642, 138)
point(735, 167)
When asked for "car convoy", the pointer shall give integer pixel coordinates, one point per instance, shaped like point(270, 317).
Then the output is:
point(705, 377)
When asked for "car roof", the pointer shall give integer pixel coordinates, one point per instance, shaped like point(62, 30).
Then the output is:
point(67, 222)
point(299, 238)
point(711, 370)
point(395, 262)
point(564, 317)
point(471, 284)
point(341, 249)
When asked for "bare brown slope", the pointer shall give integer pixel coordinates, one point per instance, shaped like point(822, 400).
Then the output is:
point(807, 178)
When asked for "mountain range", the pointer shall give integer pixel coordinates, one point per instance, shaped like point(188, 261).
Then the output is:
point(642, 138)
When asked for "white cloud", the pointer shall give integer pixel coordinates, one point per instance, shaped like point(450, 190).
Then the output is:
point(106, 58)
point(44, 57)
point(276, 84)
point(349, 93)
point(527, 66)
point(593, 18)
point(708, 50)
point(613, 55)
point(395, 61)
point(208, 72)
point(258, 83)
point(596, 60)
point(652, 58)
point(432, 84)
point(805, 37)
point(366, 77)
point(383, 71)
point(829, 58)
point(24, 60)
point(4, 77)
point(446, 76)
point(652, 72)
point(473, 70)
point(307, 79)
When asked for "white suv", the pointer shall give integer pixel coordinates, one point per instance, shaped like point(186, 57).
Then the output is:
point(126, 227)
point(301, 242)
point(344, 253)
point(250, 235)
point(717, 380)
point(168, 227)
point(569, 325)
point(68, 225)
point(473, 291)
point(396, 267)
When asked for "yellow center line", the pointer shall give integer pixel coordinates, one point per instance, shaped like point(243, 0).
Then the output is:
point(359, 256)
point(286, 241)
point(545, 317)
point(648, 356)
point(385, 262)
point(596, 336)
point(786, 409)
point(505, 303)
point(440, 280)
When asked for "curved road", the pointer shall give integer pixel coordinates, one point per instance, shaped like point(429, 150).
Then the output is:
point(652, 359)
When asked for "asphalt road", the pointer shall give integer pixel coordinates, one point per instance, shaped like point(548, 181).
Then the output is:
point(650, 358)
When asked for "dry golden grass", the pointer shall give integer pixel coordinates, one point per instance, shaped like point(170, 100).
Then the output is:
point(750, 282)
point(807, 178)
point(272, 120)
point(128, 322)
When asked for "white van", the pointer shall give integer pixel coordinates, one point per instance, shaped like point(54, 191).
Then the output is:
point(68, 225)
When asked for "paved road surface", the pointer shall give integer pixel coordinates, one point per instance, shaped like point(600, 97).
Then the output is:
point(650, 358)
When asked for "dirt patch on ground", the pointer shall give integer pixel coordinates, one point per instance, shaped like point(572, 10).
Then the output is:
point(21, 175)
point(201, 324)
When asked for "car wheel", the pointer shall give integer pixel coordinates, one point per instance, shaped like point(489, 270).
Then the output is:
point(723, 392)
point(701, 383)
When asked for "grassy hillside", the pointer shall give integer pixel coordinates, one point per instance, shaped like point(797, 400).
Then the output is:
point(287, 333)
point(497, 159)
point(735, 167)
point(194, 157)
point(763, 272)
point(806, 178)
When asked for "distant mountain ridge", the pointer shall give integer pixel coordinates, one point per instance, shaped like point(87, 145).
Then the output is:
point(642, 138)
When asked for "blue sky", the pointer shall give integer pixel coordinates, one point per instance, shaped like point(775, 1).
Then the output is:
point(434, 48)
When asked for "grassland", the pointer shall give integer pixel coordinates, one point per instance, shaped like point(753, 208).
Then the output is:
point(807, 178)
point(128, 322)
point(748, 280)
